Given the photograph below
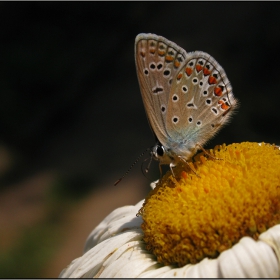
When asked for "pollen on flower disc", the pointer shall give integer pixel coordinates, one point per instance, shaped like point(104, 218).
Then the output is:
point(194, 216)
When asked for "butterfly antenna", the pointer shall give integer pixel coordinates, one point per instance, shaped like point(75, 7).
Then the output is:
point(131, 166)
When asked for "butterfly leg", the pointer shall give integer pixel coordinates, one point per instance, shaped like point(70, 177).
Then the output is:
point(171, 168)
point(160, 170)
point(190, 167)
point(201, 148)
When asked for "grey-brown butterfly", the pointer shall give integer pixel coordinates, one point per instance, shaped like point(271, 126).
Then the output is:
point(187, 96)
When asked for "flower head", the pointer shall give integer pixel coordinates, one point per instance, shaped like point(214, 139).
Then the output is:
point(220, 222)
point(193, 216)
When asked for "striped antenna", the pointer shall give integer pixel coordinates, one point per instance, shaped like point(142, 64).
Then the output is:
point(131, 166)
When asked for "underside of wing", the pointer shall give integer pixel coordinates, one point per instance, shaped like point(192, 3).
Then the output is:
point(158, 60)
point(200, 100)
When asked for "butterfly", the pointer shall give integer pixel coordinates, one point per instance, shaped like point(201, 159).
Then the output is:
point(187, 97)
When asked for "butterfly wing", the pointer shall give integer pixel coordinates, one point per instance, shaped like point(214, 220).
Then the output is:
point(200, 102)
point(157, 62)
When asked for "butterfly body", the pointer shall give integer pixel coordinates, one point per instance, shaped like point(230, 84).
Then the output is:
point(187, 96)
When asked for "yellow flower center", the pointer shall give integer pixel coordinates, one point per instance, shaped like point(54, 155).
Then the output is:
point(193, 216)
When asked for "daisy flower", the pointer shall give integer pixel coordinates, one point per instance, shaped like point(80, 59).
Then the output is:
point(222, 221)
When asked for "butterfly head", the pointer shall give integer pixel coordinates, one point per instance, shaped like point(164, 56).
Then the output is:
point(160, 153)
point(172, 155)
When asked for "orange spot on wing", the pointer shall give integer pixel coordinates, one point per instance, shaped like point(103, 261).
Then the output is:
point(212, 80)
point(224, 106)
point(177, 63)
point(169, 58)
point(188, 71)
point(161, 53)
point(198, 67)
point(142, 54)
point(206, 71)
point(226, 112)
point(179, 76)
point(217, 90)
point(152, 51)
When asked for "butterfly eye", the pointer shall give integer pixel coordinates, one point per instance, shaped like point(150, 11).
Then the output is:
point(160, 151)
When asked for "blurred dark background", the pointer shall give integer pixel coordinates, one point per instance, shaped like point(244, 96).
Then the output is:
point(72, 119)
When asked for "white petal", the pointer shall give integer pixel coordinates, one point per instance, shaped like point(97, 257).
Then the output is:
point(131, 263)
point(205, 269)
point(272, 238)
point(124, 216)
point(249, 258)
point(115, 249)
point(157, 272)
point(92, 262)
